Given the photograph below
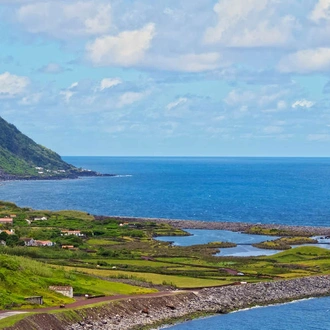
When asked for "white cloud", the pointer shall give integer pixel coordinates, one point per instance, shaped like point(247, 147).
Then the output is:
point(67, 95)
point(31, 99)
point(306, 61)
point(52, 68)
point(281, 105)
point(178, 102)
point(250, 23)
point(74, 85)
point(109, 82)
point(12, 85)
point(266, 99)
point(273, 129)
point(63, 20)
point(69, 92)
point(129, 98)
point(187, 62)
point(125, 49)
point(302, 104)
point(15, 1)
point(321, 11)
point(237, 97)
point(318, 137)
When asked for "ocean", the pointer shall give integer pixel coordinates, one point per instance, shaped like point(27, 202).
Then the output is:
point(311, 314)
point(293, 191)
point(258, 190)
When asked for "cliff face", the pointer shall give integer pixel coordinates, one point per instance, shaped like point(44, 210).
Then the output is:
point(22, 158)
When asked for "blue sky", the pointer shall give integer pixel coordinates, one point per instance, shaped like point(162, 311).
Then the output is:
point(161, 78)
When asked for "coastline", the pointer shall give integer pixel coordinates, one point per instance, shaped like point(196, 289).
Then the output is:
point(70, 176)
point(152, 312)
point(223, 225)
point(206, 316)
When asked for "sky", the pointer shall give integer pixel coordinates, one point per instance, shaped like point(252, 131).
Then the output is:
point(169, 77)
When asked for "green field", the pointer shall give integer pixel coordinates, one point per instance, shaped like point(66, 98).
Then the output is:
point(114, 257)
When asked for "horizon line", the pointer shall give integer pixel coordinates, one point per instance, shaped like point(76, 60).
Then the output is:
point(191, 156)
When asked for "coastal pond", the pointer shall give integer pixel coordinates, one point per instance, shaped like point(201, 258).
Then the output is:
point(244, 242)
point(204, 236)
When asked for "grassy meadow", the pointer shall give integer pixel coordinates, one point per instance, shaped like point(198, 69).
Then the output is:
point(110, 256)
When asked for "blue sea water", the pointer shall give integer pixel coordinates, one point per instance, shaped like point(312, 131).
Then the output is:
point(266, 190)
point(293, 191)
point(311, 314)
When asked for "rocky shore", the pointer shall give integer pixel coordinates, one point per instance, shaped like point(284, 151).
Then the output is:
point(232, 226)
point(63, 176)
point(140, 313)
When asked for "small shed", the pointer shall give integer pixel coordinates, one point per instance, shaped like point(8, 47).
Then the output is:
point(64, 290)
point(34, 300)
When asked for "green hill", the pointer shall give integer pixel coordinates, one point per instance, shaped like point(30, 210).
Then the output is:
point(22, 158)
point(23, 277)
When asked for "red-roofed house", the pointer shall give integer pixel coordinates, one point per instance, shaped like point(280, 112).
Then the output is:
point(8, 232)
point(44, 243)
point(6, 220)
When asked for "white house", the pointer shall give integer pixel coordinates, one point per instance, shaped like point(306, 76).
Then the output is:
point(71, 232)
point(44, 243)
point(64, 290)
point(28, 241)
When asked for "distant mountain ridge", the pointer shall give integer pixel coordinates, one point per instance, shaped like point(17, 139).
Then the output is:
point(22, 158)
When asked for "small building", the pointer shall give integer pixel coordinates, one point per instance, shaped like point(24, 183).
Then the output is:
point(8, 232)
point(64, 290)
point(71, 232)
point(44, 243)
point(68, 247)
point(6, 220)
point(34, 300)
point(13, 215)
point(40, 219)
point(28, 241)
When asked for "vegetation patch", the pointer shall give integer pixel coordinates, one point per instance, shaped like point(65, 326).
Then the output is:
point(285, 243)
point(95, 255)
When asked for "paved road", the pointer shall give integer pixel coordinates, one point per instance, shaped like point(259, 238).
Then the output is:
point(7, 314)
point(86, 302)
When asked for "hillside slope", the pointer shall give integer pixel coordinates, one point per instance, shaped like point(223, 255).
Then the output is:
point(22, 158)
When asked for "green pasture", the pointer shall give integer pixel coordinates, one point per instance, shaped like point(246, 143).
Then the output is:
point(12, 320)
point(100, 241)
point(24, 277)
point(178, 281)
